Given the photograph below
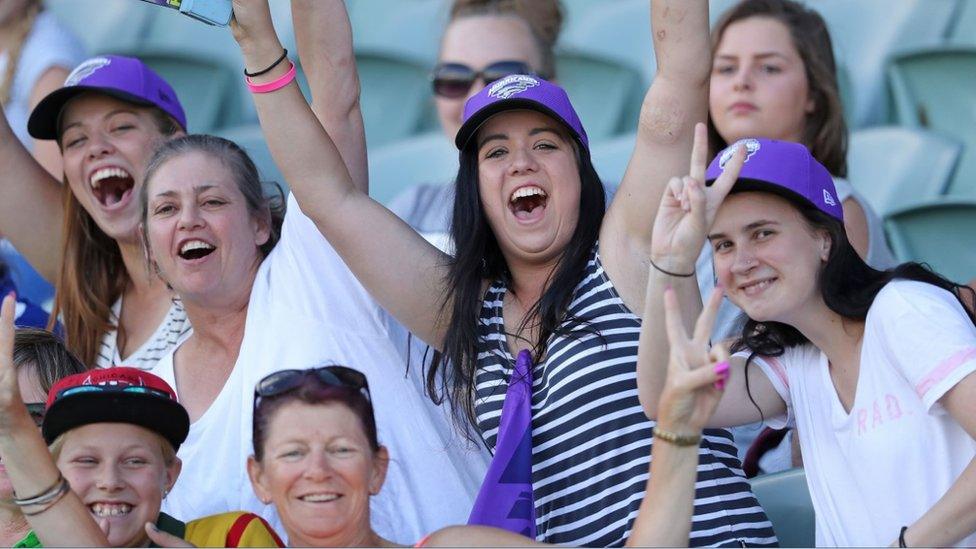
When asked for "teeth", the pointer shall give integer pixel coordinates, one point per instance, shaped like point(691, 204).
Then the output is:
point(319, 498)
point(527, 191)
point(195, 245)
point(110, 509)
point(104, 173)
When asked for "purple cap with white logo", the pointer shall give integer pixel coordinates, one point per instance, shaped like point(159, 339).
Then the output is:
point(778, 166)
point(125, 78)
point(519, 91)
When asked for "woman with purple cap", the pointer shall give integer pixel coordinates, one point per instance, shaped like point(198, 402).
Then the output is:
point(538, 267)
point(876, 369)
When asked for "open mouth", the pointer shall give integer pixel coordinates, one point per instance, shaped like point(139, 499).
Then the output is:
point(196, 249)
point(111, 185)
point(526, 200)
point(319, 498)
point(104, 509)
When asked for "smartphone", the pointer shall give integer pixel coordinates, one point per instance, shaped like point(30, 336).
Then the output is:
point(212, 12)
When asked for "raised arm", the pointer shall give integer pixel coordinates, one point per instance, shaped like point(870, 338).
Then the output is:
point(30, 205)
point(31, 469)
point(676, 100)
point(686, 212)
point(400, 269)
point(324, 38)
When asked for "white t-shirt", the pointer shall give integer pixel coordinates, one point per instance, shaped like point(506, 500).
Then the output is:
point(307, 309)
point(884, 464)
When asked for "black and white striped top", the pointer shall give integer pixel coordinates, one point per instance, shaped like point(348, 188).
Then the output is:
point(174, 328)
point(591, 440)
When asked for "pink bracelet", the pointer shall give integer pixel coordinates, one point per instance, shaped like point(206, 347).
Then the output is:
point(277, 84)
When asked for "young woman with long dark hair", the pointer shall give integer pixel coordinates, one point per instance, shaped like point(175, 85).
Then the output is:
point(874, 368)
point(538, 267)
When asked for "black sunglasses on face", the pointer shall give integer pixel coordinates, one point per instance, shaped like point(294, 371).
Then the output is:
point(36, 411)
point(283, 381)
point(454, 80)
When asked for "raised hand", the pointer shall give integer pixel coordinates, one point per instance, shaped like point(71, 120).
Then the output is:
point(696, 373)
point(11, 405)
point(252, 21)
point(688, 208)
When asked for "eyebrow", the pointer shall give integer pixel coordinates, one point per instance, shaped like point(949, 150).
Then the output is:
point(533, 131)
point(107, 116)
point(199, 189)
point(761, 55)
point(750, 227)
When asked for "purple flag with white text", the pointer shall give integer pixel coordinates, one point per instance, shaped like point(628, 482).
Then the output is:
point(505, 499)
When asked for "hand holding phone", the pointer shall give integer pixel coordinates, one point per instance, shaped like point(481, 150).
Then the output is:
point(212, 12)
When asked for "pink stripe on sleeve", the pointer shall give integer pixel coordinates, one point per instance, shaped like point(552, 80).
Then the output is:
point(943, 369)
point(779, 369)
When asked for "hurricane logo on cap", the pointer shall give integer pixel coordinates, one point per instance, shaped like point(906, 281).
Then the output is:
point(751, 145)
point(86, 69)
point(511, 85)
point(828, 198)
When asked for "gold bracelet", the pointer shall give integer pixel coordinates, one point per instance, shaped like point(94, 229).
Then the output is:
point(676, 439)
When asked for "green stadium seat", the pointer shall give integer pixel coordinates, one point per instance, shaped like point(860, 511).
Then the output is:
point(607, 96)
point(106, 26)
point(866, 32)
point(250, 138)
point(610, 158)
point(895, 166)
point(617, 32)
point(934, 89)
point(786, 499)
point(427, 158)
point(963, 31)
point(939, 232)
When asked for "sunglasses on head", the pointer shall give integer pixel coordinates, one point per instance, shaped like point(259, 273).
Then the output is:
point(111, 389)
point(36, 411)
point(284, 381)
point(454, 80)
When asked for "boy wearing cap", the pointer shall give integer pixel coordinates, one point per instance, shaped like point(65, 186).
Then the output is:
point(113, 435)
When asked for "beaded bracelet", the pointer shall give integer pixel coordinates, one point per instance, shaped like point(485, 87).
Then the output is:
point(676, 439)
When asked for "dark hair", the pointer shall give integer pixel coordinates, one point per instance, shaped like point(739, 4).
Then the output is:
point(478, 257)
point(825, 133)
point(242, 169)
point(848, 287)
point(92, 275)
point(543, 17)
point(46, 354)
point(315, 392)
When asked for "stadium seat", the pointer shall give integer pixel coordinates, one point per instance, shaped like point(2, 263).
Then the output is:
point(786, 500)
point(933, 89)
point(250, 138)
point(106, 26)
point(617, 32)
point(607, 95)
point(963, 31)
point(895, 166)
point(939, 232)
point(610, 158)
point(866, 32)
point(427, 158)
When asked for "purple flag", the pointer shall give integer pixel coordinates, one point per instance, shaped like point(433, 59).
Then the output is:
point(505, 499)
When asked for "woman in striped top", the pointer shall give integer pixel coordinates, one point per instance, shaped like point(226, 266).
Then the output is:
point(538, 266)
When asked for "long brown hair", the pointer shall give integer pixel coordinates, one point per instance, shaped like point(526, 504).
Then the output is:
point(825, 133)
point(544, 18)
point(92, 275)
point(21, 29)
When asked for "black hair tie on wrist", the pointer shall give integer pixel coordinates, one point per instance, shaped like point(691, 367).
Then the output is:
point(670, 273)
point(901, 537)
point(267, 70)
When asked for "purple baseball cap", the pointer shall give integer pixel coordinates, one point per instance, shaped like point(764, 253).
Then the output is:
point(519, 91)
point(125, 78)
point(782, 168)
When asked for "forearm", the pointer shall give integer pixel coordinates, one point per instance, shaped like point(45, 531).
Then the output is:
point(951, 519)
point(653, 349)
point(324, 38)
point(32, 471)
point(664, 518)
point(30, 205)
